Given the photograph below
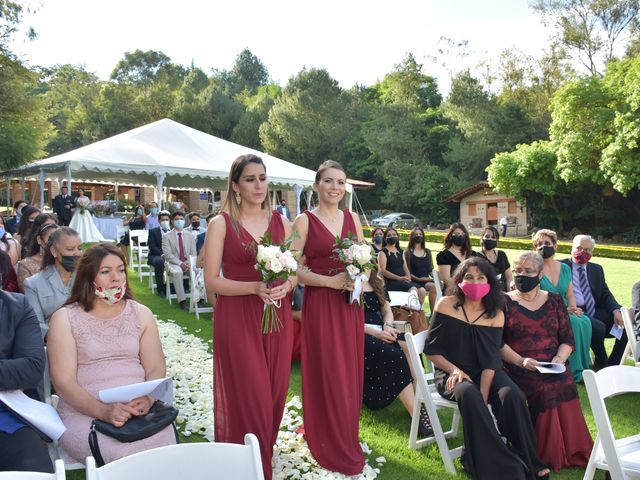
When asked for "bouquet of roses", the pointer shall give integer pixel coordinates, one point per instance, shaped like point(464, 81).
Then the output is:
point(275, 262)
point(83, 204)
point(356, 257)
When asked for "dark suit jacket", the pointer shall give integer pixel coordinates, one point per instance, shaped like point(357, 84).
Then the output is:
point(11, 225)
point(64, 214)
point(155, 242)
point(602, 296)
point(21, 346)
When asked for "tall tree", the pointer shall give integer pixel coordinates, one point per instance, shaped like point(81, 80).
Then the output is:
point(248, 72)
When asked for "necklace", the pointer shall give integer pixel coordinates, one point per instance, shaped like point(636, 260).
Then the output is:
point(519, 295)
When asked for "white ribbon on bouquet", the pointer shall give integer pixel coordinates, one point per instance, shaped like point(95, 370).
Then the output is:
point(357, 286)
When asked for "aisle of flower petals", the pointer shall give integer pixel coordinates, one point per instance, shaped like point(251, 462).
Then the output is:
point(190, 364)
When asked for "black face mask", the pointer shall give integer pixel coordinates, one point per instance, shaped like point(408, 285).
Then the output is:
point(195, 225)
point(392, 240)
point(547, 251)
point(69, 262)
point(489, 244)
point(418, 239)
point(459, 240)
point(525, 284)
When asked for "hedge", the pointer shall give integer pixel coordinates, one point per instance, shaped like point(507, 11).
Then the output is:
point(607, 251)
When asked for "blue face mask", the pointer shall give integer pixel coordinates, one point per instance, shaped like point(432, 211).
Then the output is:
point(139, 212)
point(377, 239)
point(154, 210)
point(179, 224)
point(2, 232)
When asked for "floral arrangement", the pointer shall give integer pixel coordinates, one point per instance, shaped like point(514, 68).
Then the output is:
point(356, 257)
point(275, 262)
point(105, 208)
point(83, 204)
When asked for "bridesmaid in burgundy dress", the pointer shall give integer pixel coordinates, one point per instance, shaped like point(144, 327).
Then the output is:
point(251, 369)
point(332, 330)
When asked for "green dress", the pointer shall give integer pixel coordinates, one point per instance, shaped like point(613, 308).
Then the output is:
point(580, 324)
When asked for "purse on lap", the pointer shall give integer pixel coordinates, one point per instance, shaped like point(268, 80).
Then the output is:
point(160, 416)
point(412, 313)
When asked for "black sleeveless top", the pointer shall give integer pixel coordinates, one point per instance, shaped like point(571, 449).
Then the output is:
point(395, 262)
point(421, 266)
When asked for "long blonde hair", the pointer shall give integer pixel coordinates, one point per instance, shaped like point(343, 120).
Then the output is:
point(230, 205)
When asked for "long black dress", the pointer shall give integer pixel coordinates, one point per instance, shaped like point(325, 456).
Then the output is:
point(386, 371)
point(474, 348)
point(421, 267)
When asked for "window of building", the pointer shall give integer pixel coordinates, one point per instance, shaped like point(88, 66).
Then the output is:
point(512, 207)
point(472, 209)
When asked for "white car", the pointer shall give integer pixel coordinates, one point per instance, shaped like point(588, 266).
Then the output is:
point(396, 220)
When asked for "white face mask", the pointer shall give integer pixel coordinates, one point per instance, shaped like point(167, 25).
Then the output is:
point(165, 225)
point(111, 296)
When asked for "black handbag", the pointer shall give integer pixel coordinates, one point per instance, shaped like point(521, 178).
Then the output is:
point(160, 416)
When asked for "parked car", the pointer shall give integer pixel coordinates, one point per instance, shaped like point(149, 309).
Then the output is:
point(396, 220)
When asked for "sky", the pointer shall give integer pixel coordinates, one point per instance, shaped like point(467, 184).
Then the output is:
point(356, 41)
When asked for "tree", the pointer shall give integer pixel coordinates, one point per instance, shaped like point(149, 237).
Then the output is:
point(146, 67)
point(248, 72)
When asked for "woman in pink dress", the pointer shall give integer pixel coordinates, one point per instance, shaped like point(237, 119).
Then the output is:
point(332, 329)
point(251, 369)
point(100, 339)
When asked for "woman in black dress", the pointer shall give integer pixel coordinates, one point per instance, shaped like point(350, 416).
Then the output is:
point(377, 236)
point(464, 345)
point(457, 248)
point(394, 269)
point(387, 375)
point(497, 258)
point(420, 262)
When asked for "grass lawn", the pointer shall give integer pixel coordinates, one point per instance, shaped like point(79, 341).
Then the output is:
point(386, 431)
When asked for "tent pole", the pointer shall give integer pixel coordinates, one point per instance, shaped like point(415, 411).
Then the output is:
point(23, 191)
point(41, 185)
point(69, 178)
point(115, 192)
point(159, 185)
point(298, 189)
point(7, 181)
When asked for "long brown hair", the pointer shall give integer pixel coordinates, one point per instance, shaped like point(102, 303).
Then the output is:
point(230, 205)
point(326, 165)
point(378, 286)
point(83, 291)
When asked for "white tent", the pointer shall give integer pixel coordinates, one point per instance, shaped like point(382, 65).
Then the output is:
point(162, 153)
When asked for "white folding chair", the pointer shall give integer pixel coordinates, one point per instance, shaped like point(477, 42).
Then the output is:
point(436, 280)
point(397, 299)
point(620, 457)
point(198, 292)
point(427, 395)
point(59, 474)
point(135, 237)
point(633, 336)
point(168, 281)
point(213, 461)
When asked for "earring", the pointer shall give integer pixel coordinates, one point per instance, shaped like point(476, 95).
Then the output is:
point(238, 199)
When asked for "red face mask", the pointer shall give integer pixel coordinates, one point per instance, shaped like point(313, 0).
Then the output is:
point(581, 257)
point(475, 291)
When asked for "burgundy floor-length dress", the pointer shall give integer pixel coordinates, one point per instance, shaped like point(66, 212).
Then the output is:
point(251, 369)
point(332, 358)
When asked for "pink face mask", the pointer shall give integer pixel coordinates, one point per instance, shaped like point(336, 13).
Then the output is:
point(474, 291)
point(581, 257)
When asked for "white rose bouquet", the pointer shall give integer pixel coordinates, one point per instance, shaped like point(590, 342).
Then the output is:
point(83, 204)
point(275, 262)
point(357, 257)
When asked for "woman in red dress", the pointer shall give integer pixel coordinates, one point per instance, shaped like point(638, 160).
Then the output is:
point(537, 329)
point(251, 369)
point(332, 329)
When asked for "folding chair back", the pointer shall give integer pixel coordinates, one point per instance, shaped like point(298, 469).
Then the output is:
point(59, 474)
point(213, 461)
point(435, 274)
point(135, 238)
point(633, 335)
point(427, 395)
point(198, 290)
point(620, 457)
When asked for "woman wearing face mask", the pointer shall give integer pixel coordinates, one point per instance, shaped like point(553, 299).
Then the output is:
point(457, 248)
point(49, 289)
point(557, 278)
point(420, 262)
point(102, 338)
point(537, 329)
point(497, 258)
point(29, 214)
point(139, 220)
point(43, 226)
point(8, 244)
point(394, 269)
point(82, 220)
point(464, 343)
point(377, 235)
point(152, 220)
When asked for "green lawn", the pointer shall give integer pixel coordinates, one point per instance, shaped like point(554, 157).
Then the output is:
point(386, 431)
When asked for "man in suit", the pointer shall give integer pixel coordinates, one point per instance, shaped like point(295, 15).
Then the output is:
point(177, 246)
point(596, 301)
point(284, 210)
point(22, 361)
point(155, 258)
point(62, 205)
point(11, 225)
point(194, 224)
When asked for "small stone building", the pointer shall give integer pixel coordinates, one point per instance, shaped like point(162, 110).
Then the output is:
point(480, 206)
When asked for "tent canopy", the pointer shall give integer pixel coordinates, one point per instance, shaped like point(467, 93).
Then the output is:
point(185, 157)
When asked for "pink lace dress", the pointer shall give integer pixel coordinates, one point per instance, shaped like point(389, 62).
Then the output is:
point(108, 356)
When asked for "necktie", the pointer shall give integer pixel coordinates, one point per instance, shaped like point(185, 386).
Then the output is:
point(181, 248)
point(589, 304)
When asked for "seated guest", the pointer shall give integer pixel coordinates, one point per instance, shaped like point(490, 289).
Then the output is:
point(29, 214)
point(194, 224)
point(139, 219)
point(8, 244)
point(177, 246)
point(85, 357)
point(49, 289)
point(377, 235)
point(21, 367)
point(153, 219)
point(457, 248)
point(537, 329)
point(464, 343)
point(557, 279)
point(596, 300)
point(418, 258)
point(8, 277)
point(394, 269)
point(387, 375)
point(43, 226)
point(497, 258)
point(14, 222)
point(155, 258)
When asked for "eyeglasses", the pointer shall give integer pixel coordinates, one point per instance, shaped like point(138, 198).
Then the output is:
point(529, 272)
